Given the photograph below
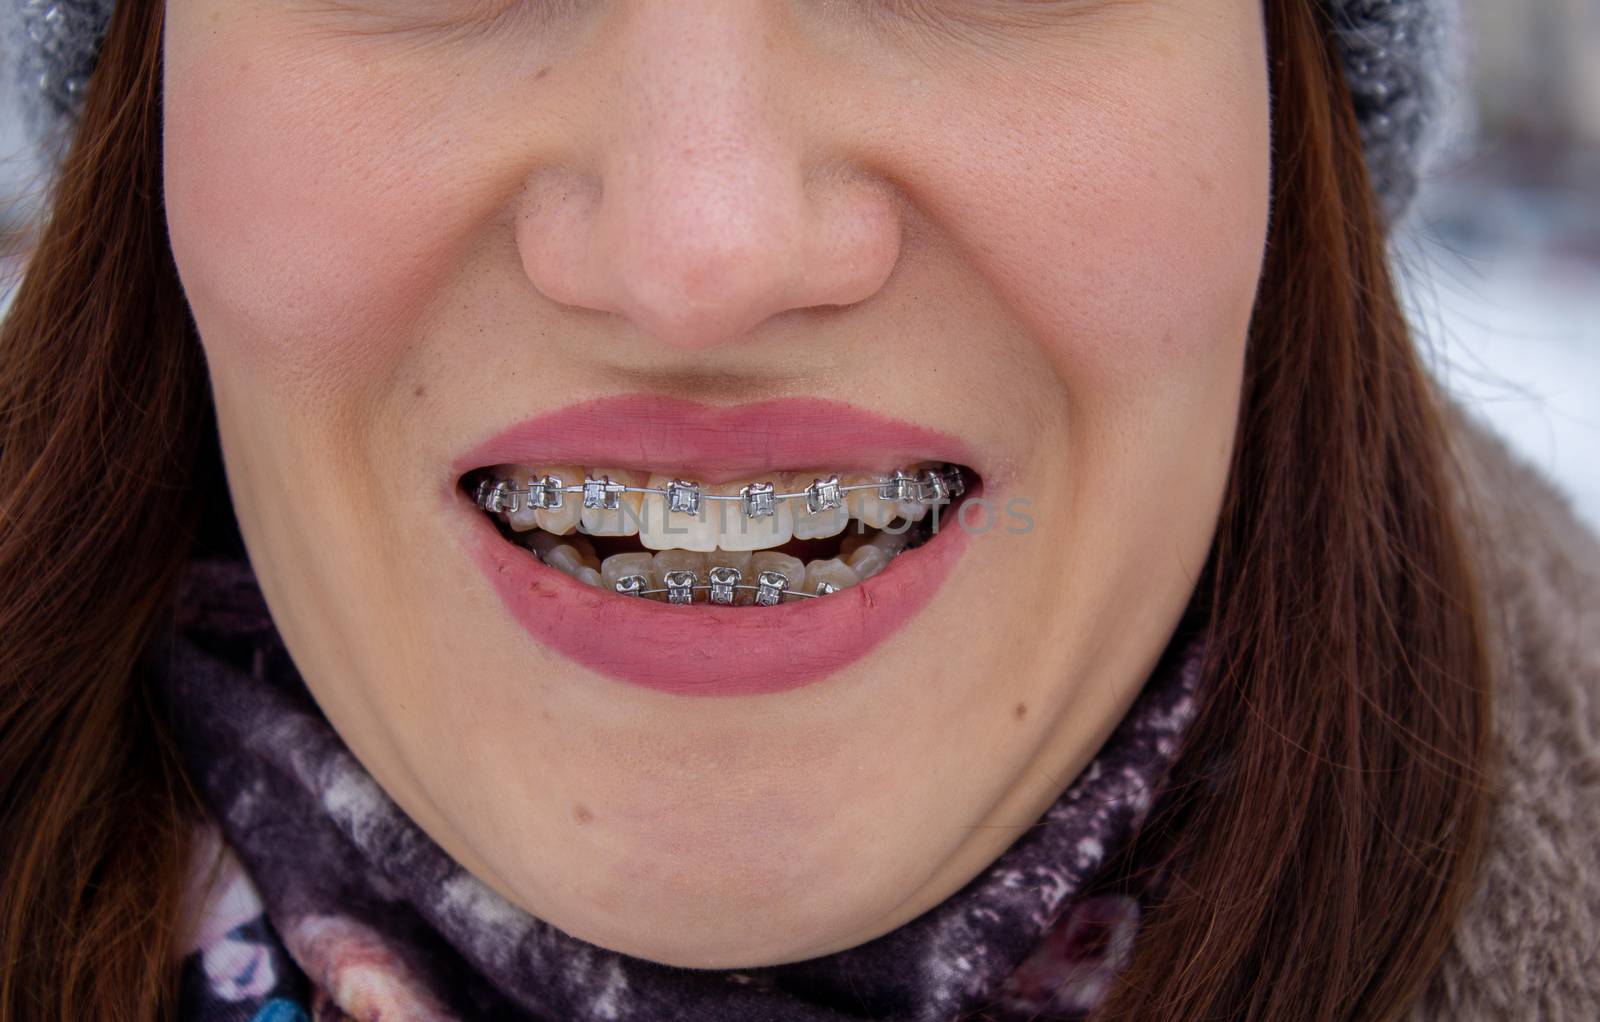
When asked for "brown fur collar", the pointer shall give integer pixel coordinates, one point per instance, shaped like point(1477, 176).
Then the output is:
point(1528, 944)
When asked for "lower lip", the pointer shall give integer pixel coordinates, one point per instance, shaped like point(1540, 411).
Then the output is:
point(703, 650)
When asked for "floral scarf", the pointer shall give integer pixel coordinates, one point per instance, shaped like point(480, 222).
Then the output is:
point(318, 898)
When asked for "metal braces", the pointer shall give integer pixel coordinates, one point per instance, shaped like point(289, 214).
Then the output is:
point(757, 500)
point(720, 587)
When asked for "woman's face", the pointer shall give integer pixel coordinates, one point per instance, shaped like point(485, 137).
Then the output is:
point(727, 241)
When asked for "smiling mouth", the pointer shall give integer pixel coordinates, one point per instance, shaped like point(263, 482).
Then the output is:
point(784, 537)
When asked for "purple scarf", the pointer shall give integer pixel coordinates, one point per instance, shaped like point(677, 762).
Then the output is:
point(325, 901)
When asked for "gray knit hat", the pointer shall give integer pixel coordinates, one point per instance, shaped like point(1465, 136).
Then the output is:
point(1400, 58)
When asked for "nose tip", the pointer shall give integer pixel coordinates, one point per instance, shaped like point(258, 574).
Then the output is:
point(696, 259)
point(700, 189)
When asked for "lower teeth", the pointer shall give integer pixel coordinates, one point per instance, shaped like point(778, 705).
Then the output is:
point(516, 497)
point(762, 578)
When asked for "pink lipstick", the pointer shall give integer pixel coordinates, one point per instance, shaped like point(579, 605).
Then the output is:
point(710, 650)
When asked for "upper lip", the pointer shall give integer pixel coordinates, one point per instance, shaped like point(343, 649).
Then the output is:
point(714, 443)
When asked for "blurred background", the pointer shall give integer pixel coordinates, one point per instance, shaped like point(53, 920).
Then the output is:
point(1499, 265)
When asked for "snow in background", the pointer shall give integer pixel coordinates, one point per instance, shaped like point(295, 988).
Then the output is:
point(1501, 279)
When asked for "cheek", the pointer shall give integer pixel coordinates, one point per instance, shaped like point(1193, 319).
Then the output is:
point(1135, 255)
point(304, 213)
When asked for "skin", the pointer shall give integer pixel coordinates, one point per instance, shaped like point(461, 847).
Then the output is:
point(404, 224)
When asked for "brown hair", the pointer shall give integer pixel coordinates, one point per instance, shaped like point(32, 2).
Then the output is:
point(102, 409)
point(1324, 821)
point(1319, 831)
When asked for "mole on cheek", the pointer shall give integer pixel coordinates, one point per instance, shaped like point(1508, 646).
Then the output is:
point(581, 813)
point(1022, 710)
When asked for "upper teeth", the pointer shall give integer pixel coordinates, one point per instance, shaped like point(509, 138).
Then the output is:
point(669, 513)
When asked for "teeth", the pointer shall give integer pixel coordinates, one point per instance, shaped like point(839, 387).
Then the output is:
point(542, 543)
point(564, 519)
point(868, 560)
point(744, 515)
point(820, 524)
point(680, 560)
point(890, 543)
point(528, 515)
point(680, 586)
point(619, 566)
point(868, 557)
point(624, 519)
point(564, 557)
point(911, 510)
point(689, 529)
point(573, 555)
point(791, 568)
point(851, 543)
point(930, 486)
point(737, 531)
point(662, 529)
point(724, 582)
point(586, 551)
point(832, 571)
point(739, 559)
point(865, 505)
point(524, 517)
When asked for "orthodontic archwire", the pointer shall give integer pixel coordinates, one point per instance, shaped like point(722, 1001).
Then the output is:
point(931, 486)
point(770, 587)
point(723, 582)
point(756, 500)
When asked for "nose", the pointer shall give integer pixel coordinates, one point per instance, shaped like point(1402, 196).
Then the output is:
point(714, 192)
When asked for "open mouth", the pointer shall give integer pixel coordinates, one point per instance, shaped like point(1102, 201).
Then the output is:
point(837, 520)
point(782, 537)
